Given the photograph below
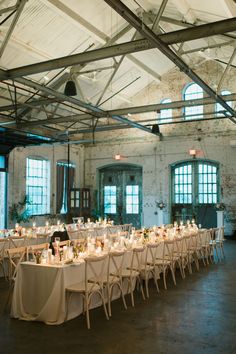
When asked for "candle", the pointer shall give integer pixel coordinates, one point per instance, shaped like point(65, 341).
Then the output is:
point(16, 226)
point(47, 223)
point(58, 222)
point(49, 255)
point(34, 224)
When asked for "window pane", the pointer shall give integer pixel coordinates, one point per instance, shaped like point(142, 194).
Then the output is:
point(110, 199)
point(38, 186)
point(206, 185)
point(166, 114)
point(183, 184)
point(193, 91)
point(220, 109)
point(132, 199)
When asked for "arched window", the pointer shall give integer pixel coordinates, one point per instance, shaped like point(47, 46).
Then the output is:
point(195, 181)
point(192, 92)
point(195, 191)
point(166, 114)
point(38, 185)
point(219, 108)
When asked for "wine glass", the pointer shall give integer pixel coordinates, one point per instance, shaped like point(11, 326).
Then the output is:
point(57, 241)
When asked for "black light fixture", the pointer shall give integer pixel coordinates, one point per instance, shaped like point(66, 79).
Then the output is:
point(70, 88)
point(156, 129)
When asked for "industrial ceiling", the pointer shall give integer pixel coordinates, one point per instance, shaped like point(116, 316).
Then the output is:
point(112, 50)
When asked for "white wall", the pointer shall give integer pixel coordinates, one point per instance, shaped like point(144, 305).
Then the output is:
point(17, 171)
point(144, 149)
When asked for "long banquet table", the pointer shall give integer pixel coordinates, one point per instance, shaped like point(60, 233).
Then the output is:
point(39, 292)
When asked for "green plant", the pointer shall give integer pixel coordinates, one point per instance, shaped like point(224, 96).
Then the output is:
point(18, 211)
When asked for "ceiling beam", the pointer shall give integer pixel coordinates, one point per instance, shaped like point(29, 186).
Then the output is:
point(133, 110)
point(174, 37)
point(132, 19)
point(93, 110)
point(87, 27)
point(20, 6)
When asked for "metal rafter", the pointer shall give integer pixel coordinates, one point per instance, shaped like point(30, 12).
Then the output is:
point(131, 18)
point(20, 6)
point(93, 110)
point(174, 37)
point(57, 82)
point(134, 110)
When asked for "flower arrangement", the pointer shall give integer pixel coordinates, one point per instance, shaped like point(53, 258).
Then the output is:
point(161, 205)
point(220, 206)
point(38, 256)
point(145, 232)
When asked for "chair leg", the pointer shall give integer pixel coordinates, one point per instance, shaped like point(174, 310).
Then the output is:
point(141, 287)
point(164, 277)
point(155, 280)
point(146, 286)
point(123, 296)
point(104, 305)
point(109, 291)
point(173, 274)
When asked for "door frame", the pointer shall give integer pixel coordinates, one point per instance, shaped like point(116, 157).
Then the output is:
point(120, 166)
point(194, 162)
point(5, 170)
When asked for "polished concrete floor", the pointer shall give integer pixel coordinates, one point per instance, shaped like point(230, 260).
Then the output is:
point(196, 316)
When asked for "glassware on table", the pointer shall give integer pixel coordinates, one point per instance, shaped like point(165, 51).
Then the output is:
point(57, 241)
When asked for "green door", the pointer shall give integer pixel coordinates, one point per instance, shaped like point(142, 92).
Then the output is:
point(3, 189)
point(121, 193)
point(195, 192)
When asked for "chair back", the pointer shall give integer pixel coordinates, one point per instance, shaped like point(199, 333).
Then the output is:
point(16, 256)
point(94, 271)
point(179, 245)
point(126, 227)
point(34, 248)
point(17, 241)
point(136, 259)
point(168, 249)
point(151, 253)
point(115, 264)
point(220, 234)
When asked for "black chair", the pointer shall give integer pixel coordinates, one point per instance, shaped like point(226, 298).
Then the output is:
point(63, 237)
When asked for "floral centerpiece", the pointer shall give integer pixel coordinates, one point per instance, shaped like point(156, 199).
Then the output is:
point(161, 205)
point(220, 206)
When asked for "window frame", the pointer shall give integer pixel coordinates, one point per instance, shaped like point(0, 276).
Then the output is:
point(194, 115)
point(195, 180)
point(132, 195)
point(218, 108)
point(46, 178)
point(111, 204)
point(166, 118)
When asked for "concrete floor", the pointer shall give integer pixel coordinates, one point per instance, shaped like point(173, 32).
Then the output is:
point(196, 316)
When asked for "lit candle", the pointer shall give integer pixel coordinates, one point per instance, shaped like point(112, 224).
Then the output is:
point(58, 222)
point(16, 226)
point(88, 220)
point(34, 224)
point(47, 223)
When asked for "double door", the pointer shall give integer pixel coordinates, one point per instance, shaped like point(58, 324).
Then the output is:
point(195, 192)
point(2, 200)
point(121, 193)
